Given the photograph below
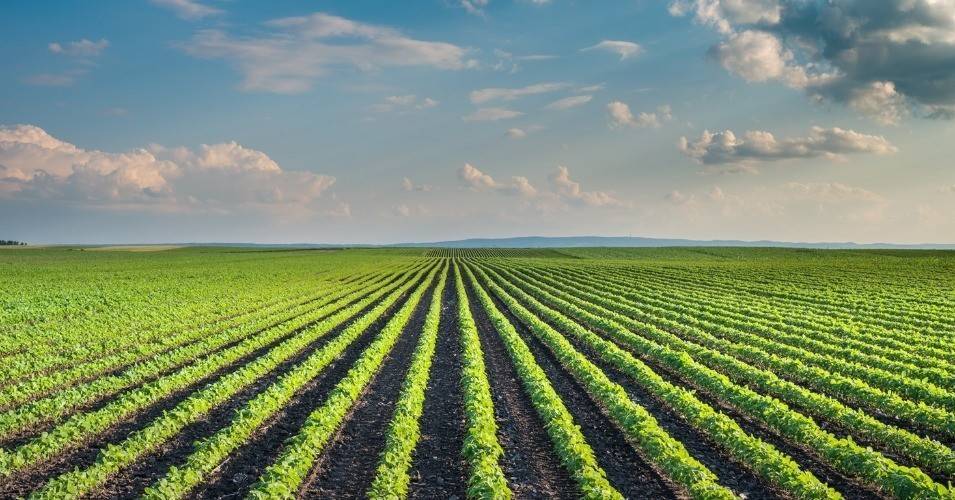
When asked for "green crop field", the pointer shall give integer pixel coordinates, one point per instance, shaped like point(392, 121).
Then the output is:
point(489, 373)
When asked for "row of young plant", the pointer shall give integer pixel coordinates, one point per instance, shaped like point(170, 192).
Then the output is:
point(89, 375)
point(391, 477)
point(900, 320)
point(835, 339)
point(888, 288)
point(210, 452)
point(286, 475)
point(481, 447)
point(54, 407)
point(114, 351)
point(765, 460)
point(846, 389)
point(913, 347)
point(701, 366)
point(73, 303)
point(719, 284)
point(42, 359)
point(926, 453)
point(82, 426)
point(570, 446)
point(880, 373)
point(637, 424)
point(115, 458)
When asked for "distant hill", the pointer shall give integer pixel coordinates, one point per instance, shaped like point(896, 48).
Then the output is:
point(631, 241)
point(572, 242)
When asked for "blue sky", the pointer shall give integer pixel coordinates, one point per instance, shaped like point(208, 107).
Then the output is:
point(361, 121)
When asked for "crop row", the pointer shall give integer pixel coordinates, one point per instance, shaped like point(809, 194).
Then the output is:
point(775, 467)
point(210, 452)
point(841, 387)
point(842, 453)
point(83, 426)
point(284, 477)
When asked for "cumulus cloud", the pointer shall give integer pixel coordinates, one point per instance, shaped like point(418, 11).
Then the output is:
point(408, 185)
point(879, 101)
point(755, 146)
point(897, 52)
point(477, 180)
point(491, 115)
point(565, 191)
point(189, 10)
point(516, 133)
point(80, 48)
point(218, 177)
point(570, 190)
point(483, 96)
point(621, 116)
point(723, 14)
point(757, 56)
point(570, 102)
point(623, 49)
point(296, 51)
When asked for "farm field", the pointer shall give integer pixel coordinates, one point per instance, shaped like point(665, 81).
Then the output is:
point(477, 373)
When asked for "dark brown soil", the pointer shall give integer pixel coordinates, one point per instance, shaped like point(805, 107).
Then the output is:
point(626, 469)
point(82, 457)
point(438, 470)
point(532, 467)
point(808, 461)
point(850, 488)
point(243, 466)
point(348, 465)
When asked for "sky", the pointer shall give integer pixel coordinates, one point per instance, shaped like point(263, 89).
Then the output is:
point(156, 121)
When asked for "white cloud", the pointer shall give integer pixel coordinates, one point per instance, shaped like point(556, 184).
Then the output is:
point(884, 59)
point(483, 96)
point(722, 14)
point(879, 101)
point(53, 79)
point(570, 190)
point(218, 177)
point(404, 102)
point(570, 102)
point(475, 7)
point(678, 197)
point(408, 185)
point(623, 49)
point(516, 133)
point(726, 148)
point(80, 48)
point(621, 116)
point(590, 89)
point(405, 210)
point(188, 9)
point(81, 53)
point(491, 114)
point(300, 50)
point(758, 56)
point(566, 192)
point(480, 181)
point(475, 178)
point(832, 192)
